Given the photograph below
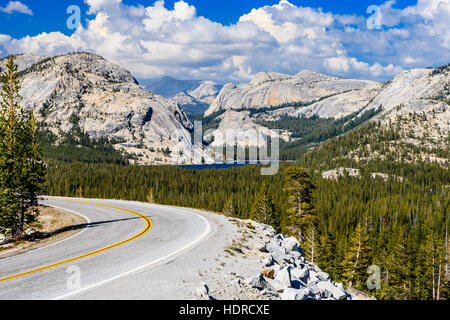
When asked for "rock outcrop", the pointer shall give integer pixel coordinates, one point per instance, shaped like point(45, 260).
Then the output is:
point(105, 101)
point(285, 272)
point(238, 128)
point(273, 89)
point(335, 174)
point(418, 100)
point(336, 106)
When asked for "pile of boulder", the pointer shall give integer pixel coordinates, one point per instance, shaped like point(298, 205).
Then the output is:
point(288, 276)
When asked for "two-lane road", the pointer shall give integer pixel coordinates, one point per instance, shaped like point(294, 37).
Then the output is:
point(120, 239)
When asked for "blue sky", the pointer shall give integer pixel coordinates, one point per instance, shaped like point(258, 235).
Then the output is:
point(50, 15)
point(234, 39)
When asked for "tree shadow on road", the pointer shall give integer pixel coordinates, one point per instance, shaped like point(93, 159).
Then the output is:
point(44, 235)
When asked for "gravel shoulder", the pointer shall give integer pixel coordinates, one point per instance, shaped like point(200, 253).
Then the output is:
point(56, 223)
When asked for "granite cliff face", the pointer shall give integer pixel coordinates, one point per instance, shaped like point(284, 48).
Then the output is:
point(274, 89)
point(106, 101)
point(418, 102)
point(412, 94)
point(238, 128)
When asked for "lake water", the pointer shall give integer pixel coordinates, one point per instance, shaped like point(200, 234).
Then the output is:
point(213, 166)
point(220, 165)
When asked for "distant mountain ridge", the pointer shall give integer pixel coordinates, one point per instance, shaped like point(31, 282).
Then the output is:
point(193, 96)
point(275, 89)
point(169, 87)
point(416, 100)
point(106, 101)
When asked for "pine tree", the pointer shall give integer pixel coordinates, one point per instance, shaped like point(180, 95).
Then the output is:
point(357, 258)
point(399, 269)
point(311, 243)
point(21, 167)
point(231, 208)
point(431, 273)
point(328, 259)
point(33, 172)
point(151, 196)
point(299, 187)
point(263, 209)
point(10, 149)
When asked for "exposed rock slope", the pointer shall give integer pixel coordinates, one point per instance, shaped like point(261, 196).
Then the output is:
point(273, 89)
point(104, 100)
point(418, 102)
point(23, 61)
point(238, 128)
point(337, 106)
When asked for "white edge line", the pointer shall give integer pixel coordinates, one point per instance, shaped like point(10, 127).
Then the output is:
point(192, 244)
point(58, 242)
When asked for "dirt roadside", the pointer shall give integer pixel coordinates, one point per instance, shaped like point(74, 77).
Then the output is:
point(59, 224)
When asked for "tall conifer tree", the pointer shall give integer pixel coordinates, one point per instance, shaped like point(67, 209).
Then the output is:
point(399, 269)
point(22, 170)
point(299, 187)
point(357, 258)
point(263, 209)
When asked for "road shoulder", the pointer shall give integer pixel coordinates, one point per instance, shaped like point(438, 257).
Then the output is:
point(58, 224)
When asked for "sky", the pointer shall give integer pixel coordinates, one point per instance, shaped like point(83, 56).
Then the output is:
point(232, 40)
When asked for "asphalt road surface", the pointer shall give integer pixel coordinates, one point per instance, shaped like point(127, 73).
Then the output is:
point(120, 240)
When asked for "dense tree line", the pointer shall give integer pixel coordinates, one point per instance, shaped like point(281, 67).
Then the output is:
point(316, 129)
point(77, 146)
point(351, 213)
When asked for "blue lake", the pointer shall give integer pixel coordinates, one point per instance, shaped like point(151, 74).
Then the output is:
point(220, 165)
point(212, 166)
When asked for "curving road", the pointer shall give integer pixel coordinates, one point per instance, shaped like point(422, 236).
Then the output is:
point(121, 239)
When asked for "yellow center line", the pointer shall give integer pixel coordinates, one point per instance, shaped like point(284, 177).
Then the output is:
point(148, 227)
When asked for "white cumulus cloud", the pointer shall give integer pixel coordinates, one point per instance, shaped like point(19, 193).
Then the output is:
point(16, 6)
point(153, 41)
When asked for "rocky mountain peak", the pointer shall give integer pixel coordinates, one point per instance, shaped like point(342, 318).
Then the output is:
point(205, 89)
point(105, 101)
point(311, 76)
point(264, 77)
point(23, 61)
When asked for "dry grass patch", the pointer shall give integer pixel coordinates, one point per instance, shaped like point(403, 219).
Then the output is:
point(55, 224)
